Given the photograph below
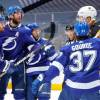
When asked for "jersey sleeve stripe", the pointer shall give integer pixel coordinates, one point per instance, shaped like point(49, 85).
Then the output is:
point(78, 85)
point(58, 65)
point(36, 69)
point(53, 57)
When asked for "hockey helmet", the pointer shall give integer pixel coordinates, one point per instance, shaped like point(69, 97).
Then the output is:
point(81, 29)
point(33, 26)
point(69, 27)
point(87, 11)
point(13, 9)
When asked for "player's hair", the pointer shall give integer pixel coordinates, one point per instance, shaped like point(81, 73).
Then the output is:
point(82, 37)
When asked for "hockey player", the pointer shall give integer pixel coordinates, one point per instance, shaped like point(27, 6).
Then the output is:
point(38, 64)
point(15, 40)
point(70, 35)
point(6, 66)
point(88, 14)
point(80, 63)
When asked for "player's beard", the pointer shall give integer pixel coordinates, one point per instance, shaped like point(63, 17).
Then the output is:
point(16, 22)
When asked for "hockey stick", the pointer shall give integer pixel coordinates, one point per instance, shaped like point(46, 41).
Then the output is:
point(41, 47)
point(52, 29)
point(34, 5)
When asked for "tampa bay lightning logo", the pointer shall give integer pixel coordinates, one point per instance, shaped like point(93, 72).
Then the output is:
point(9, 43)
point(34, 59)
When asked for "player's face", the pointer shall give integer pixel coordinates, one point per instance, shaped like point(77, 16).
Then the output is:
point(90, 21)
point(1, 26)
point(17, 17)
point(36, 33)
point(80, 18)
point(70, 34)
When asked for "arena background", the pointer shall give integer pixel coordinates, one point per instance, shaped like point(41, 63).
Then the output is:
point(61, 12)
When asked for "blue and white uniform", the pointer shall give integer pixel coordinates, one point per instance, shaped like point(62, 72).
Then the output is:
point(15, 41)
point(4, 64)
point(82, 61)
point(40, 62)
point(37, 64)
point(81, 66)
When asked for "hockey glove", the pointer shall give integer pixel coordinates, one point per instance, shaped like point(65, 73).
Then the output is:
point(36, 84)
point(9, 69)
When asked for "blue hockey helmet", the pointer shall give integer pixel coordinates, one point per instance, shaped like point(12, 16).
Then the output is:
point(13, 9)
point(33, 26)
point(81, 29)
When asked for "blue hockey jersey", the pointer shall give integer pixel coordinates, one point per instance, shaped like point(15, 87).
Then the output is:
point(15, 41)
point(40, 62)
point(4, 64)
point(80, 62)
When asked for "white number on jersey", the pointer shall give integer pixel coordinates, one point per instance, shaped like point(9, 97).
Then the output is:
point(77, 58)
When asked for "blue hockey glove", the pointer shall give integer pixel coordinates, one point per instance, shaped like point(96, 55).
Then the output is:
point(35, 86)
point(8, 68)
point(11, 68)
point(44, 90)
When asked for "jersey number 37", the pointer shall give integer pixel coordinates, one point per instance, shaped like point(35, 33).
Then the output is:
point(78, 59)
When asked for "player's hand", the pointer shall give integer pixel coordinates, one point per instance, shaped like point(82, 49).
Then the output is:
point(8, 69)
point(35, 86)
point(44, 90)
point(11, 68)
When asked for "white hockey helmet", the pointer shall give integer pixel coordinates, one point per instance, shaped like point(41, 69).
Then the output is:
point(87, 11)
